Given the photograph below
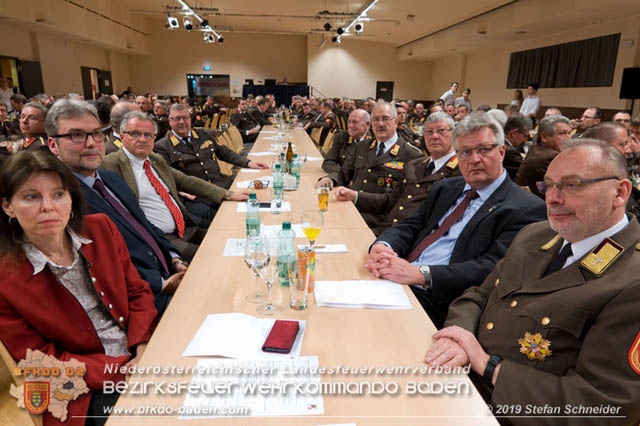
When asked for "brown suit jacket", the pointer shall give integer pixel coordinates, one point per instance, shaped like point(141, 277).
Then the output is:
point(534, 167)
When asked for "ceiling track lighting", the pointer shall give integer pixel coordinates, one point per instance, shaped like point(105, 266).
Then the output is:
point(191, 15)
point(172, 22)
point(187, 23)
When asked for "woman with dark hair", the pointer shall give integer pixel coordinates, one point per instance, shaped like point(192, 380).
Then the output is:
point(69, 288)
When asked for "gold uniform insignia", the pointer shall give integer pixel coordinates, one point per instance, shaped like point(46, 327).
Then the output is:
point(452, 163)
point(534, 347)
point(373, 144)
point(117, 143)
point(394, 150)
point(213, 155)
point(551, 243)
point(634, 355)
point(601, 257)
point(194, 134)
point(174, 140)
point(206, 145)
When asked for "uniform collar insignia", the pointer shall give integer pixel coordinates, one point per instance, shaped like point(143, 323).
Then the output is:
point(551, 243)
point(118, 143)
point(374, 142)
point(174, 140)
point(634, 355)
point(28, 142)
point(350, 141)
point(603, 256)
point(194, 134)
point(452, 163)
point(534, 347)
point(394, 149)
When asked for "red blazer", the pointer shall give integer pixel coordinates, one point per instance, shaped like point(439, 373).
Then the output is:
point(36, 312)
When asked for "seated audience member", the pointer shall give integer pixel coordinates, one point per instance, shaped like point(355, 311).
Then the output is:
point(119, 110)
point(635, 134)
point(325, 120)
point(461, 112)
point(465, 225)
point(531, 104)
point(7, 129)
point(624, 118)
point(418, 176)
point(68, 288)
point(144, 104)
point(516, 134)
point(18, 102)
point(194, 151)
point(161, 117)
point(194, 112)
point(156, 185)
point(75, 138)
point(483, 108)
point(248, 128)
point(498, 115)
point(464, 99)
point(418, 116)
point(511, 110)
point(258, 112)
point(590, 117)
point(104, 114)
point(32, 120)
point(403, 127)
point(436, 107)
point(552, 111)
point(555, 323)
point(552, 131)
point(345, 143)
point(451, 110)
point(210, 108)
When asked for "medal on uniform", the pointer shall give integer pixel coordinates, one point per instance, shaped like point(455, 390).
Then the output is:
point(206, 145)
point(534, 347)
point(396, 165)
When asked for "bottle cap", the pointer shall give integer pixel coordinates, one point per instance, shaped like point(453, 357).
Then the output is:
point(252, 196)
point(277, 166)
point(295, 155)
point(286, 225)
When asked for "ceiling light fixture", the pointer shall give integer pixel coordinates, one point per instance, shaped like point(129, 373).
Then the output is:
point(207, 28)
point(340, 31)
point(362, 15)
point(187, 23)
point(204, 23)
point(358, 27)
point(327, 26)
point(172, 22)
point(220, 39)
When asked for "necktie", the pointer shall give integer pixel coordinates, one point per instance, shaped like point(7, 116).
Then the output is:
point(98, 185)
point(429, 168)
point(173, 208)
point(449, 221)
point(380, 149)
point(558, 262)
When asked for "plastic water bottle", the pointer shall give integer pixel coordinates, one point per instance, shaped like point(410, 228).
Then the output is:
point(278, 184)
point(253, 216)
point(286, 253)
point(295, 169)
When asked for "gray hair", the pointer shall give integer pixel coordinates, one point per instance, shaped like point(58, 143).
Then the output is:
point(66, 109)
point(162, 103)
point(519, 122)
point(610, 158)
point(498, 115)
point(394, 111)
point(547, 125)
point(437, 116)
point(606, 131)
point(43, 109)
point(178, 107)
point(140, 116)
point(362, 113)
point(474, 122)
point(553, 111)
point(118, 112)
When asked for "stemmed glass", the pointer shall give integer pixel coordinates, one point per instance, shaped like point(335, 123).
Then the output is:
point(256, 256)
point(269, 275)
point(312, 223)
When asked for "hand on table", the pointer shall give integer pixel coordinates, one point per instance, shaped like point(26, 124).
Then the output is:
point(258, 165)
point(239, 196)
point(345, 194)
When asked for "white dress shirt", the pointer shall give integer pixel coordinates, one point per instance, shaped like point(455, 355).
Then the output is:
point(582, 247)
point(530, 105)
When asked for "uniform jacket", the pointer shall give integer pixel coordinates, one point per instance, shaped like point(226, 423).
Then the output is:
point(534, 167)
point(198, 158)
point(342, 151)
point(242, 121)
point(37, 312)
point(113, 144)
point(512, 160)
point(35, 143)
point(589, 316)
point(142, 256)
point(174, 179)
point(258, 116)
point(400, 203)
point(481, 244)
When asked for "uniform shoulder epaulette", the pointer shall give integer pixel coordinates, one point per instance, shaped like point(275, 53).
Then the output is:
point(415, 148)
point(603, 256)
point(194, 134)
point(551, 243)
point(373, 144)
point(452, 163)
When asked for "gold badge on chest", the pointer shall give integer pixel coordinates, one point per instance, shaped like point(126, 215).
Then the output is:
point(534, 347)
point(603, 256)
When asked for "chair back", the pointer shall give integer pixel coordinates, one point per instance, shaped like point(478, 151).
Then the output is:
point(10, 413)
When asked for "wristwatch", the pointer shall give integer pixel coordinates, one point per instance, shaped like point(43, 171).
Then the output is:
point(426, 272)
point(493, 362)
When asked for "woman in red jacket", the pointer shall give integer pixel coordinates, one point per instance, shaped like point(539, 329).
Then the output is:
point(69, 288)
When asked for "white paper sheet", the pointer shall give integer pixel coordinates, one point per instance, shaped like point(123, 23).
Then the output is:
point(262, 154)
point(238, 336)
point(268, 131)
point(246, 378)
point(310, 158)
point(235, 247)
point(242, 208)
point(377, 294)
point(250, 170)
point(330, 248)
point(270, 138)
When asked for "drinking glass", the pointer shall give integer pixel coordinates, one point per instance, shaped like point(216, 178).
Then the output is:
point(256, 256)
point(323, 196)
point(299, 285)
point(312, 223)
point(269, 275)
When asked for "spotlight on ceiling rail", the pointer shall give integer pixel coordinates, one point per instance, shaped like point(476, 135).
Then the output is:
point(187, 23)
point(172, 22)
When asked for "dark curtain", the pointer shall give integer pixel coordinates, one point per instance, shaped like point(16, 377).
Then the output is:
point(281, 92)
point(584, 63)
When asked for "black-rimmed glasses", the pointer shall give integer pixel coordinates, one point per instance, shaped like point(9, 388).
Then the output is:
point(570, 186)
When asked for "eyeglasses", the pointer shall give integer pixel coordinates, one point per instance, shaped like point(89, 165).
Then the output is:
point(382, 119)
point(482, 151)
point(180, 118)
point(570, 186)
point(441, 132)
point(137, 135)
point(79, 137)
point(586, 116)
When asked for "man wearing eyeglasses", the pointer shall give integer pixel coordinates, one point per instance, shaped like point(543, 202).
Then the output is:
point(156, 185)
point(516, 134)
point(555, 323)
point(194, 152)
point(32, 126)
point(76, 139)
point(624, 118)
point(590, 117)
point(465, 225)
point(419, 175)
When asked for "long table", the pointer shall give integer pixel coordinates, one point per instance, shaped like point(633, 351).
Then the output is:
point(338, 336)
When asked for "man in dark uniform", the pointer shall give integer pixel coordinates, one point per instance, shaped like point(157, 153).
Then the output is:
point(32, 120)
point(552, 131)
point(405, 131)
point(307, 115)
point(246, 126)
point(418, 177)
point(210, 108)
point(378, 165)
point(325, 119)
point(257, 113)
point(345, 142)
point(7, 129)
point(161, 117)
point(555, 324)
point(516, 132)
point(119, 110)
point(419, 115)
point(195, 152)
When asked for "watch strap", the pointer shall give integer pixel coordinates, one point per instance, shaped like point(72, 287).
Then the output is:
point(493, 362)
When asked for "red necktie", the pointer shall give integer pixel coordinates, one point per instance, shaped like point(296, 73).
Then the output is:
point(455, 216)
point(173, 208)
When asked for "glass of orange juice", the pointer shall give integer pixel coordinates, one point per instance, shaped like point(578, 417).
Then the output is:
point(312, 223)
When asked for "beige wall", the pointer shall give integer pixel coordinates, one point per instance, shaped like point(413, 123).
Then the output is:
point(177, 53)
point(485, 70)
point(353, 68)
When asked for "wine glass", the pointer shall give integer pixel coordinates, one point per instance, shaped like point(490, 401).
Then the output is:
point(269, 275)
point(312, 222)
point(256, 256)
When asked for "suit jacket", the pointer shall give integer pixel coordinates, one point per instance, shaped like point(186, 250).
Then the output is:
point(588, 314)
point(176, 180)
point(342, 151)
point(512, 160)
point(142, 256)
point(534, 167)
point(481, 244)
point(36, 312)
point(258, 116)
point(113, 144)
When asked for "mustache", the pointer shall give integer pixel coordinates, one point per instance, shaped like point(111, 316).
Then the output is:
point(558, 210)
point(91, 152)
